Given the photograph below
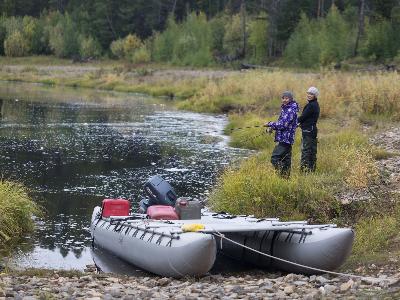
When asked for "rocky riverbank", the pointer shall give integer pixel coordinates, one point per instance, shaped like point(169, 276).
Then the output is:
point(390, 166)
point(257, 285)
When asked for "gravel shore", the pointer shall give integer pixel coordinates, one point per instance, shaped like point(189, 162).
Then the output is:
point(258, 285)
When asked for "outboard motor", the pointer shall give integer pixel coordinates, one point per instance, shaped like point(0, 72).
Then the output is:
point(159, 191)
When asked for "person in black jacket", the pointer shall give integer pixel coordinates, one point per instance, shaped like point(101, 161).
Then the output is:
point(308, 123)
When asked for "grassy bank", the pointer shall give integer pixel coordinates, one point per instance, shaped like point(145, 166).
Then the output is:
point(16, 210)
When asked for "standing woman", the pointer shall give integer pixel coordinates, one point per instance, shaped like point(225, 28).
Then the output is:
point(285, 129)
point(308, 123)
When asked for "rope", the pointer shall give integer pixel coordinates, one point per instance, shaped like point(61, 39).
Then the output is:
point(222, 236)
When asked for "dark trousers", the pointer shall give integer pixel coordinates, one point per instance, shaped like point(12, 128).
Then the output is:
point(281, 159)
point(308, 152)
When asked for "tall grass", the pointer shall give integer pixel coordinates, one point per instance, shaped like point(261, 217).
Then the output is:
point(16, 210)
point(343, 95)
point(255, 188)
point(344, 162)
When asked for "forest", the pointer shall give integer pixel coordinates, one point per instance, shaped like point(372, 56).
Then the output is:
point(307, 33)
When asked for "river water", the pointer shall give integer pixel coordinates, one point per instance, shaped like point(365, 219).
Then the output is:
point(74, 147)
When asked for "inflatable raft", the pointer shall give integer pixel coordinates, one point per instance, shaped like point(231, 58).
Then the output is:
point(184, 241)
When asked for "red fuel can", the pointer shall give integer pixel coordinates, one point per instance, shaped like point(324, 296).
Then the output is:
point(162, 212)
point(115, 207)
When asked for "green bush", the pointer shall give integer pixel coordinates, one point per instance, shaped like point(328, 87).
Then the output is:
point(233, 38)
point(324, 41)
point(188, 43)
point(89, 47)
point(33, 32)
point(64, 37)
point(131, 44)
point(334, 38)
point(302, 48)
point(16, 45)
point(164, 42)
point(380, 41)
point(258, 39)
point(217, 27)
point(13, 24)
point(117, 48)
point(141, 55)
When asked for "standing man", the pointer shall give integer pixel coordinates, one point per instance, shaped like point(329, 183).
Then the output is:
point(285, 129)
point(308, 123)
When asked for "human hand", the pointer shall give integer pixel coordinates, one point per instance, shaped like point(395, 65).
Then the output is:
point(269, 130)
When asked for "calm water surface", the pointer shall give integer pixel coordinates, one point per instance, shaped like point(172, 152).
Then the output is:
point(73, 148)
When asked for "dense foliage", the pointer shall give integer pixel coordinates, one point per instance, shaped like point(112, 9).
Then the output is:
point(305, 33)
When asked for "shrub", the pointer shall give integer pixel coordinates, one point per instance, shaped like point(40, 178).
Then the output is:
point(233, 38)
point(13, 24)
point(89, 47)
point(217, 27)
point(16, 45)
point(194, 45)
point(131, 44)
point(380, 41)
point(64, 37)
point(142, 55)
point(33, 32)
point(324, 41)
point(164, 42)
point(258, 41)
point(117, 48)
point(334, 38)
point(302, 48)
point(186, 44)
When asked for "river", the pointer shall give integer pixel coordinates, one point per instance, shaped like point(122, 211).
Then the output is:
point(74, 147)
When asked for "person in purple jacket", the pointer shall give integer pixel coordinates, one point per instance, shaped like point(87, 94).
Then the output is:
point(285, 129)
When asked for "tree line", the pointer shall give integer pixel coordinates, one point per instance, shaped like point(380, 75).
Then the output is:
point(305, 33)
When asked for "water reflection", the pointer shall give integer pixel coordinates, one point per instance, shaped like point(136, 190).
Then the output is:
point(73, 150)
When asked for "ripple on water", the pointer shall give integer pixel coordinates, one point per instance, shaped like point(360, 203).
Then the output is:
point(73, 153)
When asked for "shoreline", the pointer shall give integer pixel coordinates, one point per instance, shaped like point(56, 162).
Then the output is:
point(39, 284)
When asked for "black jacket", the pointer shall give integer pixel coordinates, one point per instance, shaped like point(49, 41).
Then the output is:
point(309, 116)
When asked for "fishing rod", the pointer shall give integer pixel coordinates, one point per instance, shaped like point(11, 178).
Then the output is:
point(246, 127)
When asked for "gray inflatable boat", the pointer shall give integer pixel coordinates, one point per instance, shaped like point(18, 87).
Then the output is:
point(183, 241)
point(164, 247)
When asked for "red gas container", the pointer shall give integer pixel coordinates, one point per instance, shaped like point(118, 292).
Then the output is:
point(162, 212)
point(115, 207)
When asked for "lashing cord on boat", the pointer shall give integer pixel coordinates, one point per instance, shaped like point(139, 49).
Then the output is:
point(222, 236)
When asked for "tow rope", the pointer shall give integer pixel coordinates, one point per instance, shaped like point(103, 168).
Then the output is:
point(373, 279)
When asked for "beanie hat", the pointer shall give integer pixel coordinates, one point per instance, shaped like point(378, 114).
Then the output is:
point(313, 90)
point(287, 94)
